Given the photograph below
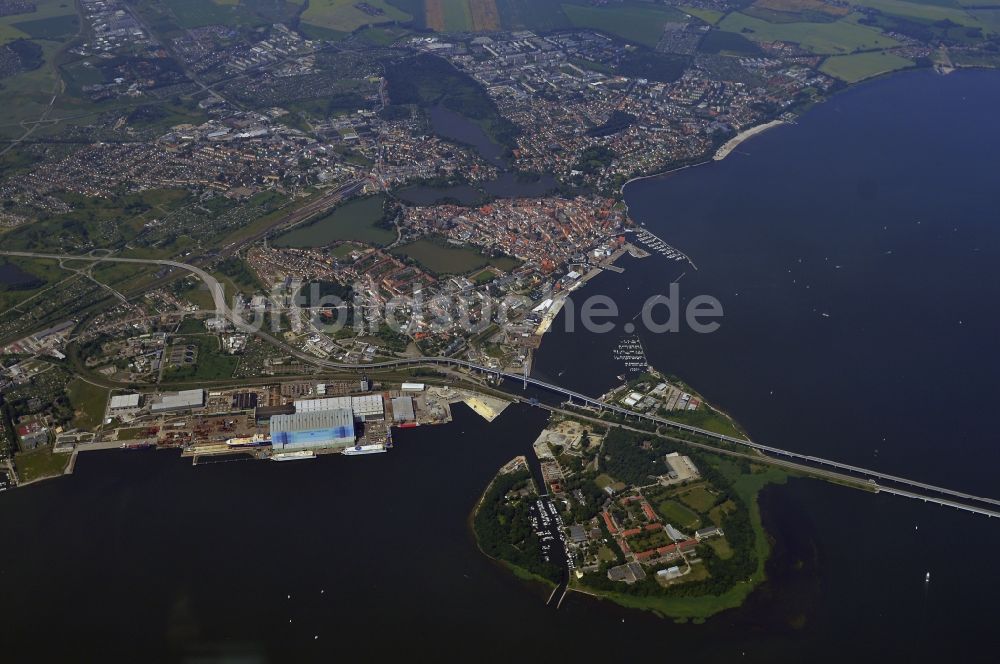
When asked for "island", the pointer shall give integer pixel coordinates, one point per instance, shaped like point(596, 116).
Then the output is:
point(645, 519)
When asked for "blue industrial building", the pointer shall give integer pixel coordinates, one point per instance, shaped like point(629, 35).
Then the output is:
point(313, 430)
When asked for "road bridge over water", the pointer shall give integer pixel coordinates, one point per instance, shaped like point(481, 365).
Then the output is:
point(880, 481)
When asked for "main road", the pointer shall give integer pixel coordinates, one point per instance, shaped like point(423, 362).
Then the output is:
point(222, 308)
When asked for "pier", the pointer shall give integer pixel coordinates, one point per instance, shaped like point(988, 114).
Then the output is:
point(879, 481)
point(657, 245)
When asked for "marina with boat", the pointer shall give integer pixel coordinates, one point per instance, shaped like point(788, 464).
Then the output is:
point(655, 244)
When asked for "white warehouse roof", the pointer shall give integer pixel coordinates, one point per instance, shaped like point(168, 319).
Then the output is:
point(369, 404)
point(328, 403)
point(124, 401)
point(180, 400)
point(361, 406)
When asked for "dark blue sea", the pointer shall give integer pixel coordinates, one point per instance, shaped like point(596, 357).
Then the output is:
point(878, 208)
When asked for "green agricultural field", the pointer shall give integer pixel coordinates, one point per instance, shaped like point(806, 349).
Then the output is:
point(124, 276)
point(92, 221)
point(707, 15)
point(988, 18)
point(457, 16)
point(26, 96)
point(857, 67)
point(383, 36)
point(89, 403)
point(352, 221)
point(441, 258)
point(198, 13)
point(720, 41)
point(532, 14)
point(55, 28)
point(642, 24)
point(39, 21)
point(22, 278)
point(343, 16)
point(678, 515)
point(920, 10)
point(843, 36)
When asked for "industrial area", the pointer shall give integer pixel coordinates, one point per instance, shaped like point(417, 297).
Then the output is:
point(280, 422)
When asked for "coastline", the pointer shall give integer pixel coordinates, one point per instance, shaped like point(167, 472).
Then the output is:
point(621, 190)
point(726, 149)
point(721, 153)
point(516, 570)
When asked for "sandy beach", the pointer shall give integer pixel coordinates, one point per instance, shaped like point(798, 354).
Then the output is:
point(733, 142)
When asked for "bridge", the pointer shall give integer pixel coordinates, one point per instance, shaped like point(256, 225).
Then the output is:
point(905, 487)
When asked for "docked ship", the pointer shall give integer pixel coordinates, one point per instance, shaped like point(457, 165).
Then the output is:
point(293, 456)
point(365, 449)
point(257, 440)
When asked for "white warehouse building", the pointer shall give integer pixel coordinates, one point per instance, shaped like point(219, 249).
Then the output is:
point(365, 407)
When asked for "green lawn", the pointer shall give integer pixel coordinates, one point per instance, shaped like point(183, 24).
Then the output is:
point(484, 277)
point(200, 297)
point(721, 547)
point(603, 481)
point(843, 36)
point(124, 276)
point(678, 515)
point(859, 66)
point(606, 555)
point(719, 511)
point(634, 22)
point(352, 221)
point(698, 498)
point(705, 418)
point(238, 276)
point(442, 258)
point(133, 433)
point(40, 463)
point(89, 403)
point(211, 363)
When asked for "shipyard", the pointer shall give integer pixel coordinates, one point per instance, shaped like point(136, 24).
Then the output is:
point(286, 421)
